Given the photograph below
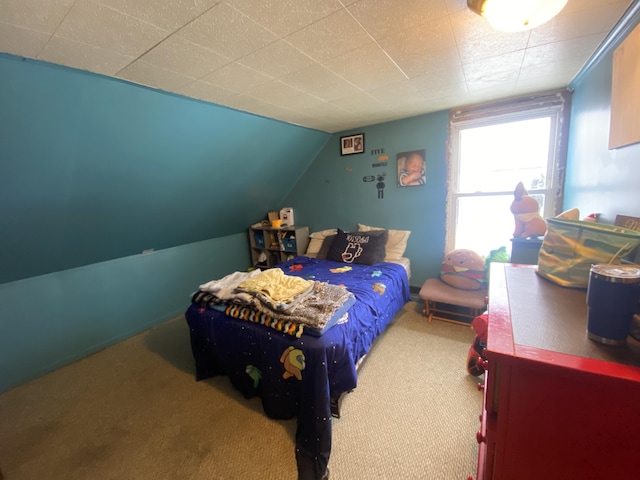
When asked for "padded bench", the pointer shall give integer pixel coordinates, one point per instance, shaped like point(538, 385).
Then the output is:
point(449, 304)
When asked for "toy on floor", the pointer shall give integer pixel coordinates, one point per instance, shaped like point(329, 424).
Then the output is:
point(526, 214)
point(475, 358)
point(463, 269)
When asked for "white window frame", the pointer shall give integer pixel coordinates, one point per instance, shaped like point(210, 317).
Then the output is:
point(554, 105)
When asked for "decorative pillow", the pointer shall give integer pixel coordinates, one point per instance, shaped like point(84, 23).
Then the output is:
point(322, 234)
point(463, 269)
point(396, 244)
point(326, 246)
point(364, 248)
point(315, 241)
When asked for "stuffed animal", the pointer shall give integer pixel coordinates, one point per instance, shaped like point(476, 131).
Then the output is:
point(525, 210)
point(475, 358)
point(499, 255)
point(463, 269)
point(293, 361)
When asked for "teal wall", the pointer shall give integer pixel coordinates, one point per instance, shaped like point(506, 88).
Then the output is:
point(332, 192)
point(95, 170)
point(53, 319)
point(599, 180)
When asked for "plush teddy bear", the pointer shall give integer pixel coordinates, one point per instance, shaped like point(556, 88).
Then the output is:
point(463, 269)
point(525, 210)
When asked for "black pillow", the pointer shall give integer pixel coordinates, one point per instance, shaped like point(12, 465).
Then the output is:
point(324, 249)
point(365, 248)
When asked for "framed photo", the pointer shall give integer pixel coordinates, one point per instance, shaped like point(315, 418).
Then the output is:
point(352, 144)
point(412, 168)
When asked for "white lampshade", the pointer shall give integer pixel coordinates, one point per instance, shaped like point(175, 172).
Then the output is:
point(516, 15)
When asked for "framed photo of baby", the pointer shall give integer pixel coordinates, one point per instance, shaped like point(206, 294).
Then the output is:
point(412, 168)
point(352, 144)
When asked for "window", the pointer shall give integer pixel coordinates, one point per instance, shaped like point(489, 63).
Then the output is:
point(493, 147)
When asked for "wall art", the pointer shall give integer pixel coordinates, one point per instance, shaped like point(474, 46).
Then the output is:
point(412, 168)
point(352, 144)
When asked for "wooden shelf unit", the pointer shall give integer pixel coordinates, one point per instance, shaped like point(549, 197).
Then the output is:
point(277, 244)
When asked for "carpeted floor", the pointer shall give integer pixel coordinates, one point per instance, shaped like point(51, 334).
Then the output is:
point(134, 411)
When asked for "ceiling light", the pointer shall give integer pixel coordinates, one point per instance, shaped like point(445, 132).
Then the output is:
point(518, 15)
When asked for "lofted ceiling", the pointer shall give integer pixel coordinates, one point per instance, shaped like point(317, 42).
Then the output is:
point(331, 65)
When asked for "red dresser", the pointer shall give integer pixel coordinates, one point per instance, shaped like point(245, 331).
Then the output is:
point(557, 406)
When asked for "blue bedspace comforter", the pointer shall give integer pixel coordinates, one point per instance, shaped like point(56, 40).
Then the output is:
point(299, 375)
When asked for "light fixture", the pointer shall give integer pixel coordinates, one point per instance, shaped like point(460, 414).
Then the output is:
point(516, 15)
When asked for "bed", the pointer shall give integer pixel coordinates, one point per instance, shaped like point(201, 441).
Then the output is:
point(300, 371)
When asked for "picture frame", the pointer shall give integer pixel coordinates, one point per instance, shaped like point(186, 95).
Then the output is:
point(412, 168)
point(352, 144)
point(625, 100)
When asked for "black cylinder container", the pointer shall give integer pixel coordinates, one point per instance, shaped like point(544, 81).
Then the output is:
point(612, 299)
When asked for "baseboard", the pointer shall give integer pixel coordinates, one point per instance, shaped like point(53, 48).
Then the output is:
point(414, 293)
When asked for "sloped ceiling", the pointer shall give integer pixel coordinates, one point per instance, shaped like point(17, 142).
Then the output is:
point(331, 65)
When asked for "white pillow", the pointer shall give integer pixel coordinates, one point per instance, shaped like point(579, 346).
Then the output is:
point(316, 239)
point(396, 244)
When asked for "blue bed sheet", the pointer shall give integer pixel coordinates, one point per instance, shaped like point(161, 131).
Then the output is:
point(299, 376)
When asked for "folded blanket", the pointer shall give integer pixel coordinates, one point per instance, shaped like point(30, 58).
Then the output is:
point(225, 289)
point(247, 313)
point(284, 302)
point(316, 309)
point(276, 287)
point(285, 325)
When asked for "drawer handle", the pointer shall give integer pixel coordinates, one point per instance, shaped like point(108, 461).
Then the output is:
point(480, 387)
point(482, 364)
point(480, 438)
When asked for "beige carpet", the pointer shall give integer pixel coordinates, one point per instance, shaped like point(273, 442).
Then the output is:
point(134, 411)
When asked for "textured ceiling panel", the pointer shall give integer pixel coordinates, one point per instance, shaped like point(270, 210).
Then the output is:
point(325, 64)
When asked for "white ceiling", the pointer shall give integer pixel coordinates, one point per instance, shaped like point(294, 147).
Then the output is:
point(332, 65)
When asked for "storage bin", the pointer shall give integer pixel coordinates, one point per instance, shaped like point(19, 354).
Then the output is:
point(258, 239)
point(571, 247)
point(289, 244)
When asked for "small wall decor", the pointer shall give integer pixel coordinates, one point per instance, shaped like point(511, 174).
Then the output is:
point(381, 161)
point(380, 185)
point(352, 144)
point(411, 168)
